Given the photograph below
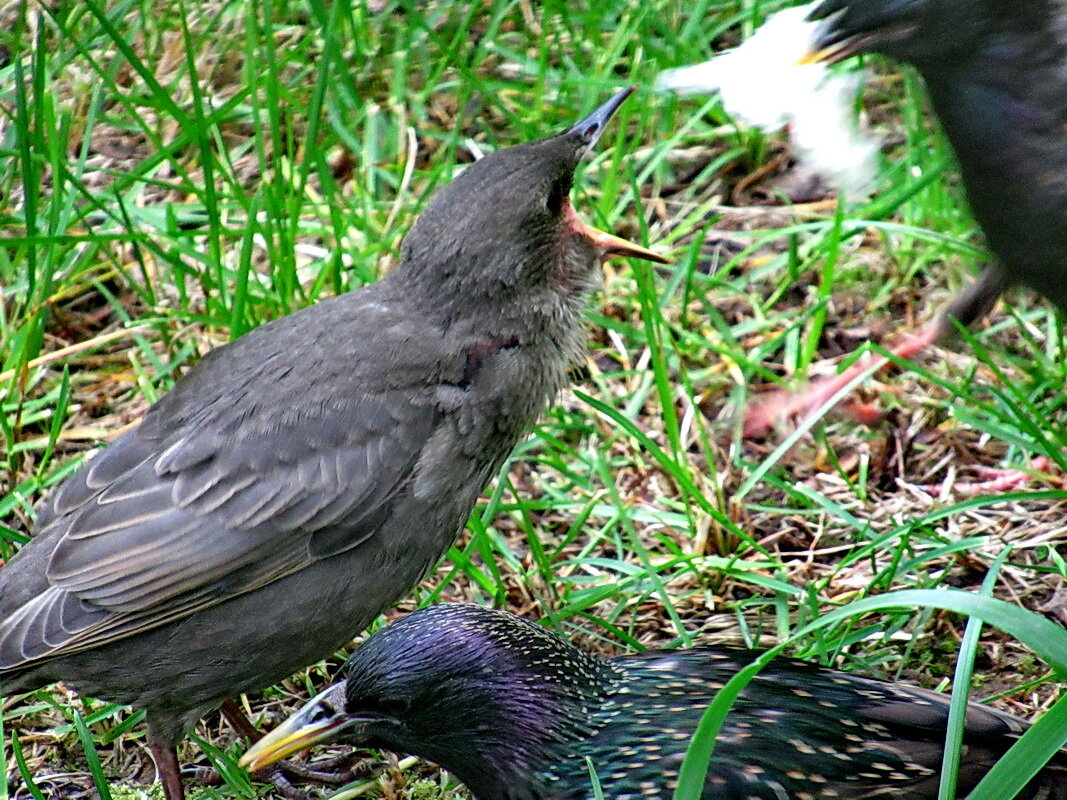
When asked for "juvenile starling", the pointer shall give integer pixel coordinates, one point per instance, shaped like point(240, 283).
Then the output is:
point(517, 713)
point(300, 479)
point(996, 72)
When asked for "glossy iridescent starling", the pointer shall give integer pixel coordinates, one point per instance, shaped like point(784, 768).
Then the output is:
point(517, 713)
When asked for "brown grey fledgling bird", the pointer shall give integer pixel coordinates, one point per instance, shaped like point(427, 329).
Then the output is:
point(299, 480)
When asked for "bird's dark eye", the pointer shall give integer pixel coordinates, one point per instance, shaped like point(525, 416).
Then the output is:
point(322, 711)
point(557, 193)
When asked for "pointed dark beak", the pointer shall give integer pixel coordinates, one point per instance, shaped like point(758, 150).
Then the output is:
point(593, 125)
point(607, 244)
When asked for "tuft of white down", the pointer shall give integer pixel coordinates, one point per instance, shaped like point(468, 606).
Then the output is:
point(765, 83)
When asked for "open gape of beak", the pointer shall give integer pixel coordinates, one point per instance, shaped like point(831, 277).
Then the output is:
point(843, 28)
point(608, 244)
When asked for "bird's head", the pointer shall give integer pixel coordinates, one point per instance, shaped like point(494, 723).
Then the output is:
point(927, 33)
point(483, 693)
point(505, 225)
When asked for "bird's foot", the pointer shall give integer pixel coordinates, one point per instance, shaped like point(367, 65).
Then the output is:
point(336, 771)
point(284, 786)
point(779, 409)
point(284, 775)
point(994, 480)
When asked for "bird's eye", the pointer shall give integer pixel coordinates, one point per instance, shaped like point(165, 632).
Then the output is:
point(557, 193)
point(322, 712)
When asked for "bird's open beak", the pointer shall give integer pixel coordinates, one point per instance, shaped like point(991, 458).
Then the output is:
point(834, 51)
point(590, 128)
point(828, 55)
point(318, 720)
point(850, 27)
point(608, 244)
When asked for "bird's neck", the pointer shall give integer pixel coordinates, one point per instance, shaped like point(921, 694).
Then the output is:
point(545, 316)
point(1006, 95)
point(510, 743)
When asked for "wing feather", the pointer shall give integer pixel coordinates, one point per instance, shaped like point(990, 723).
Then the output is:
point(206, 500)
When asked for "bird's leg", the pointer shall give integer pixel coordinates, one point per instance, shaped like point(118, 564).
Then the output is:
point(168, 772)
point(334, 771)
point(782, 407)
point(239, 721)
point(283, 786)
point(972, 304)
point(330, 772)
point(779, 408)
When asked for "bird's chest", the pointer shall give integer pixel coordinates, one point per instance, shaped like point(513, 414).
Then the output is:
point(1007, 130)
point(1008, 142)
point(504, 387)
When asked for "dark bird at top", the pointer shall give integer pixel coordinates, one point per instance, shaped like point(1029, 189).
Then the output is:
point(996, 73)
point(517, 713)
point(299, 480)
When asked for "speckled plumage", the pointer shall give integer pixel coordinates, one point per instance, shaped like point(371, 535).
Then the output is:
point(515, 712)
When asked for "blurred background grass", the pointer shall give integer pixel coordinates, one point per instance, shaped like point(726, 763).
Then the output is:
point(174, 174)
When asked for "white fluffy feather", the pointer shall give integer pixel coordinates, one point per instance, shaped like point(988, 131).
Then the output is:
point(763, 83)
